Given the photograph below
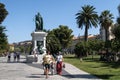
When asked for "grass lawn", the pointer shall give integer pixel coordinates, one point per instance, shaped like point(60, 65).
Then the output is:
point(103, 70)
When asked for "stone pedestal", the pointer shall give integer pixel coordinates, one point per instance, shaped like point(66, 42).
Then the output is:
point(39, 37)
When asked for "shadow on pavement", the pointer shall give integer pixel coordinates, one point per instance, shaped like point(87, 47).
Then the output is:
point(35, 76)
point(35, 65)
point(86, 76)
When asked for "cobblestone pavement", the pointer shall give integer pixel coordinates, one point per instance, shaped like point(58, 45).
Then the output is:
point(34, 71)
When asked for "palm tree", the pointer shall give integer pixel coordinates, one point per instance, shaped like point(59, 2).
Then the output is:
point(3, 12)
point(87, 17)
point(106, 21)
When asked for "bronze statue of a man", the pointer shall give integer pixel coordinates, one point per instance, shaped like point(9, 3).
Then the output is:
point(38, 22)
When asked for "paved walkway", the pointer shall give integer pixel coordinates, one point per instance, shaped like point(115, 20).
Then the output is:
point(34, 71)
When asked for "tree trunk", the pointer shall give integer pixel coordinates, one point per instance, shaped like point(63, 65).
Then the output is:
point(86, 33)
point(86, 38)
point(106, 34)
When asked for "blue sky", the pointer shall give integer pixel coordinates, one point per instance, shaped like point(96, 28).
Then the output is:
point(20, 21)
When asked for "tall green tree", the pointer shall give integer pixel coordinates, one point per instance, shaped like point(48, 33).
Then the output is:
point(116, 31)
point(64, 35)
point(118, 9)
point(3, 38)
point(87, 17)
point(3, 12)
point(118, 19)
point(106, 21)
point(53, 44)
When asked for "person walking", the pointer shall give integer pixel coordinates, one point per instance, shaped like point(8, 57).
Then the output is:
point(15, 55)
point(18, 56)
point(52, 64)
point(35, 56)
point(46, 62)
point(59, 63)
point(9, 56)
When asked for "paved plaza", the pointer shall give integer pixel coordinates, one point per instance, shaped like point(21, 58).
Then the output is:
point(34, 71)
